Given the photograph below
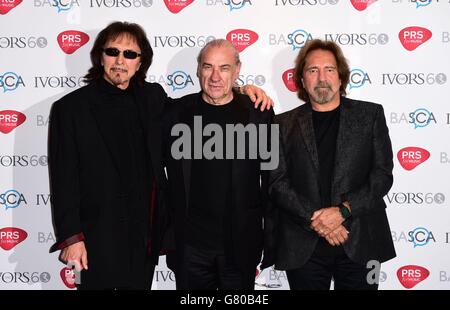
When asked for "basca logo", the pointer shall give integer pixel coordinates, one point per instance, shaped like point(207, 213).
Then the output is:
point(305, 2)
point(358, 38)
point(24, 277)
point(8, 5)
point(23, 42)
point(444, 276)
point(297, 39)
point(269, 278)
point(42, 120)
point(175, 6)
point(177, 80)
point(414, 78)
point(72, 40)
point(251, 79)
point(361, 5)
point(46, 237)
point(68, 277)
point(416, 198)
point(444, 158)
point(121, 3)
point(60, 5)
point(23, 160)
point(411, 275)
point(420, 3)
point(419, 118)
point(10, 119)
point(242, 38)
point(358, 78)
point(413, 37)
point(410, 157)
point(232, 4)
point(289, 80)
point(181, 41)
point(12, 199)
point(11, 236)
point(58, 81)
point(419, 237)
point(10, 81)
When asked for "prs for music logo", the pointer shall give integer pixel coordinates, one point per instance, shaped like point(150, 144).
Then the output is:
point(410, 157)
point(175, 6)
point(413, 37)
point(8, 5)
point(242, 38)
point(10, 119)
point(361, 5)
point(71, 40)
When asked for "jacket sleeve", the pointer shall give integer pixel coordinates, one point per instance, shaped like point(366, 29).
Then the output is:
point(364, 199)
point(64, 175)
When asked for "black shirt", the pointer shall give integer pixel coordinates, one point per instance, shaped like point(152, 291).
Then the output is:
point(326, 127)
point(210, 186)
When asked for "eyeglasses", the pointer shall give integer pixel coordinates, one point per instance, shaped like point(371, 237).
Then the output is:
point(114, 52)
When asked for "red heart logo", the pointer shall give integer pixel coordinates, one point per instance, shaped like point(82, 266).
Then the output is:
point(361, 5)
point(68, 277)
point(71, 40)
point(175, 6)
point(289, 81)
point(242, 38)
point(8, 5)
point(411, 275)
point(412, 37)
point(11, 236)
point(10, 119)
point(410, 157)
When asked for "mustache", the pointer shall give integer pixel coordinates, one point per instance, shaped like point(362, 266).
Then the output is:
point(322, 85)
point(117, 69)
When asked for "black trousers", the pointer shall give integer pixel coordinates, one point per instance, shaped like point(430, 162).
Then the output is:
point(329, 262)
point(210, 270)
point(134, 283)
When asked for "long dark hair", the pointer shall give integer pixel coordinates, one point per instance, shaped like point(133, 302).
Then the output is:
point(317, 44)
point(112, 32)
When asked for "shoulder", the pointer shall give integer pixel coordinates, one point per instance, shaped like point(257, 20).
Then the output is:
point(256, 114)
point(361, 106)
point(289, 116)
point(74, 99)
point(154, 88)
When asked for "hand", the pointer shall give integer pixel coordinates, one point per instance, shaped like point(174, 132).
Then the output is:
point(325, 220)
point(257, 96)
point(75, 253)
point(337, 236)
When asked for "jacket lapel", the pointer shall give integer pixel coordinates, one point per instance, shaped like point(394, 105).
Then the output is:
point(343, 149)
point(149, 114)
point(305, 122)
point(106, 126)
point(192, 109)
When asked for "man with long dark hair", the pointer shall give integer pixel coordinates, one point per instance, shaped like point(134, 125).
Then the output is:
point(106, 172)
point(328, 219)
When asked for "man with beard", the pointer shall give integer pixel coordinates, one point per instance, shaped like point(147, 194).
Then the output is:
point(328, 218)
point(106, 172)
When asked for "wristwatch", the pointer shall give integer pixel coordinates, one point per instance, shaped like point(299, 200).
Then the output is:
point(345, 212)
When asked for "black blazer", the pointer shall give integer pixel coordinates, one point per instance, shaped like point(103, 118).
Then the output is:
point(362, 175)
point(248, 189)
point(87, 192)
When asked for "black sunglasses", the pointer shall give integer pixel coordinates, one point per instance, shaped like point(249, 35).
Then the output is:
point(114, 52)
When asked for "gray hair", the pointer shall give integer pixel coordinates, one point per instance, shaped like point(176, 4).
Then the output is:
point(218, 43)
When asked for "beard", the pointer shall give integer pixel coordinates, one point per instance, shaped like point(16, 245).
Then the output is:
point(323, 93)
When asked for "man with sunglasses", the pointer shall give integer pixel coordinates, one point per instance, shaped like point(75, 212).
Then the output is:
point(106, 173)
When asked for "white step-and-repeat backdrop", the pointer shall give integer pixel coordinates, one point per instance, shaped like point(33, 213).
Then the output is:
point(399, 52)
